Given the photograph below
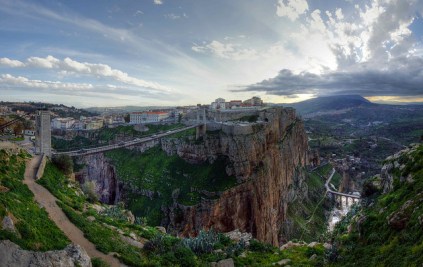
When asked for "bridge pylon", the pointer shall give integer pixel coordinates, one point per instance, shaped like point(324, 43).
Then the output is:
point(43, 132)
point(200, 130)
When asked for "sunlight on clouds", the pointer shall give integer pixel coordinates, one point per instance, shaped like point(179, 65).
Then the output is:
point(395, 99)
point(287, 99)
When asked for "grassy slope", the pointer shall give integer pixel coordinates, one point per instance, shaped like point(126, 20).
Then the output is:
point(36, 230)
point(163, 250)
point(106, 239)
point(373, 242)
point(155, 171)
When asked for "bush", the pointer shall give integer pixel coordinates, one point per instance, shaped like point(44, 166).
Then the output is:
point(203, 243)
point(89, 189)
point(64, 163)
point(97, 262)
point(255, 245)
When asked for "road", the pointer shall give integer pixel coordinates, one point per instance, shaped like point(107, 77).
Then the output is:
point(328, 190)
point(45, 198)
point(137, 141)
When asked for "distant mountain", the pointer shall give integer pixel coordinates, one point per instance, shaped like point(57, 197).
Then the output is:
point(327, 103)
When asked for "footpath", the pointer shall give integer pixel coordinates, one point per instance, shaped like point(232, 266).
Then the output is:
point(45, 198)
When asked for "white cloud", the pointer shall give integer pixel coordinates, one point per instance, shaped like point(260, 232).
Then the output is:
point(291, 9)
point(158, 2)
point(11, 63)
point(19, 81)
point(70, 66)
point(226, 50)
point(49, 62)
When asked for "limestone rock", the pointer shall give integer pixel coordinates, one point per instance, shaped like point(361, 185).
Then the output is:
point(313, 244)
point(161, 229)
point(7, 224)
point(226, 263)
point(91, 218)
point(236, 236)
point(290, 244)
point(327, 246)
point(283, 262)
point(312, 257)
point(132, 242)
point(11, 255)
point(130, 216)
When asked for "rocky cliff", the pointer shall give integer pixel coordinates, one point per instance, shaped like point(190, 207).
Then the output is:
point(12, 255)
point(266, 157)
point(98, 169)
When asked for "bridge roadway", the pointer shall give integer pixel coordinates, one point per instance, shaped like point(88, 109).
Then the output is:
point(137, 141)
point(328, 190)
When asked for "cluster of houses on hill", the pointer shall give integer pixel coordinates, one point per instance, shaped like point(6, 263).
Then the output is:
point(221, 104)
point(86, 123)
point(169, 115)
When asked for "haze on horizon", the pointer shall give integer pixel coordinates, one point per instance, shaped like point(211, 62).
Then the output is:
point(162, 52)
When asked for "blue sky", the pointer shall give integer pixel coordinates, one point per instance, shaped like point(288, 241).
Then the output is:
point(170, 52)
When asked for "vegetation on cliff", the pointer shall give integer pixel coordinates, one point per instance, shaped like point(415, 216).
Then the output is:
point(33, 229)
point(108, 230)
point(307, 217)
point(387, 230)
point(156, 179)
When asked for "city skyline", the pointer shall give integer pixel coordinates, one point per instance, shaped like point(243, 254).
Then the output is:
point(162, 52)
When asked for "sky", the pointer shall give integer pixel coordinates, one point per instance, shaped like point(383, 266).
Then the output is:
point(181, 52)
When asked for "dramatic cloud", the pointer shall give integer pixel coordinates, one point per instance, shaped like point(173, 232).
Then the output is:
point(70, 66)
point(226, 50)
point(402, 76)
point(291, 9)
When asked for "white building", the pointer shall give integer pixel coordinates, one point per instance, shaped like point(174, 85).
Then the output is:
point(147, 117)
point(219, 104)
point(62, 123)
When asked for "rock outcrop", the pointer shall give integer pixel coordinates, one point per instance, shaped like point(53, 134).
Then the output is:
point(11, 255)
point(266, 157)
point(98, 169)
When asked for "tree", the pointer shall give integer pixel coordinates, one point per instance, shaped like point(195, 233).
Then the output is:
point(126, 118)
point(64, 163)
point(18, 128)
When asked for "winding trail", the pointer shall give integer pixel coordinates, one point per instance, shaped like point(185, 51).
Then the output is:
point(45, 198)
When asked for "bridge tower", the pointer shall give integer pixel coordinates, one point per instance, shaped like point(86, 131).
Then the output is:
point(200, 130)
point(43, 132)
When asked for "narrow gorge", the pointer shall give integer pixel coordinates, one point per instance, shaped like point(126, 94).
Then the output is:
point(241, 175)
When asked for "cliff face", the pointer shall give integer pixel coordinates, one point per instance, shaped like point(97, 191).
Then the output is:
point(99, 170)
point(266, 158)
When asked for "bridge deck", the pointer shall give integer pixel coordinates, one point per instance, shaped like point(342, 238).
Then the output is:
point(137, 141)
point(328, 190)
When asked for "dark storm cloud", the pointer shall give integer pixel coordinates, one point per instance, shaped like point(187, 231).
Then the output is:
point(401, 76)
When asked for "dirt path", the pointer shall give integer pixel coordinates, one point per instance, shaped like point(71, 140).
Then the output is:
point(45, 198)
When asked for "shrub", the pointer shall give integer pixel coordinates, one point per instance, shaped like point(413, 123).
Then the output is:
point(64, 163)
point(203, 243)
point(97, 262)
point(255, 245)
point(89, 189)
